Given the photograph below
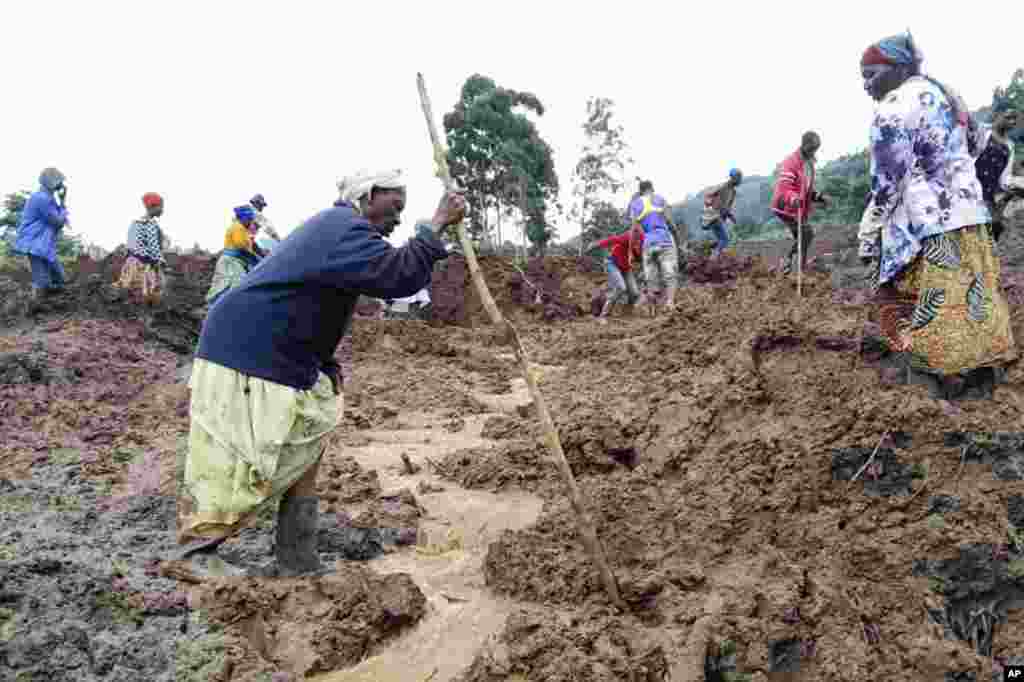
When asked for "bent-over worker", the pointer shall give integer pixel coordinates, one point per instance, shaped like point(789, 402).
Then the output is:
point(624, 250)
point(266, 388)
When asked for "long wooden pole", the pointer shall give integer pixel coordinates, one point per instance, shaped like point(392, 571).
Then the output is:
point(551, 440)
point(799, 252)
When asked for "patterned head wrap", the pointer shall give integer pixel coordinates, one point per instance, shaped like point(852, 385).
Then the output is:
point(898, 50)
point(245, 214)
point(51, 178)
point(258, 201)
point(152, 199)
point(735, 173)
point(355, 187)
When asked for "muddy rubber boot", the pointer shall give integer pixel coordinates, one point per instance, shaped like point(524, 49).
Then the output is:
point(296, 541)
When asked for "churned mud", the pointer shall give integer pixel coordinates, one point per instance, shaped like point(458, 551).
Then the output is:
point(774, 502)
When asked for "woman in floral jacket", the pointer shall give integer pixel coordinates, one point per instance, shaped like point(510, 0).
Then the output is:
point(940, 303)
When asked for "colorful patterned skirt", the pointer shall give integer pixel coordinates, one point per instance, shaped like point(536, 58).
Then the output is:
point(947, 311)
point(144, 278)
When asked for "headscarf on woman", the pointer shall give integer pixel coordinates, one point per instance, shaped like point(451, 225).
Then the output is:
point(901, 51)
point(142, 273)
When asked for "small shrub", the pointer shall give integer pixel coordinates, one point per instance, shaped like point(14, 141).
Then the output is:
point(936, 522)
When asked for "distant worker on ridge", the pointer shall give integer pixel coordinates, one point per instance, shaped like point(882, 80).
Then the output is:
point(42, 219)
point(143, 269)
point(718, 205)
point(624, 250)
point(661, 260)
point(795, 196)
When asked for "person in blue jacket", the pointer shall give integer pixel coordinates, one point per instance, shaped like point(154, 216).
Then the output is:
point(42, 220)
point(266, 387)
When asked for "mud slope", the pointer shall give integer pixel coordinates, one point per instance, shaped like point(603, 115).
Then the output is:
point(715, 447)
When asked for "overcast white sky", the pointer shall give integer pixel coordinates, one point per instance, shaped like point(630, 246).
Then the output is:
point(210, 102)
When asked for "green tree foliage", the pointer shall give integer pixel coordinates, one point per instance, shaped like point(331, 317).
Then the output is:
point(600, 171)
point(69, 244)
point(493, 149)
point(847, 181)
point(13, 205)
point(1012, 97)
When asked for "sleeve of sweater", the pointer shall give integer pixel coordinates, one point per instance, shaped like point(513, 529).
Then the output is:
point(789, 182)
point(363, 262)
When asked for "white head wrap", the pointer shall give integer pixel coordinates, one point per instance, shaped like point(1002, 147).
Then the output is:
point(356, 186)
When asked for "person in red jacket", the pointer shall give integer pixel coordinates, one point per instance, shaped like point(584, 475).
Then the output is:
point(624, 250)
point(795, 194)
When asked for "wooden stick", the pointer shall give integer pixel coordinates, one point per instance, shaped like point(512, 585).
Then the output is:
point(799, 251)
point(963, 461)
point(870, 459)
point(585, 524)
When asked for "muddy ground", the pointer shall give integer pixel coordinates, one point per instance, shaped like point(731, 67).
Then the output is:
point(715, 449)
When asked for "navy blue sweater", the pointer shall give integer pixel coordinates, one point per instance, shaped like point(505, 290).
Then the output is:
point(284, 320)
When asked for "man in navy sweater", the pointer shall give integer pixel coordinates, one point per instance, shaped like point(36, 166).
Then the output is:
point(266, 389)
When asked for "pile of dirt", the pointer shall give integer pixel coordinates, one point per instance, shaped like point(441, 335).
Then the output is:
point(90, 295)
point(715, 448)
point(552, 288)
point(307, 627)
point(725, 268)
point(541, 646)
point(689, 447)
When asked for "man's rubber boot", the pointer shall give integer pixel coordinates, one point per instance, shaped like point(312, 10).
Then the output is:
point(296, 541)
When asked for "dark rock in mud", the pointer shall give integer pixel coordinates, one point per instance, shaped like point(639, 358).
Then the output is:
point(886, 476)
point(700, 269)
point(943, 504)
point(720, 663)
point(961, 677)
point(1004, 452)
point(1014, 511)
point(979, 590)
point(337, 535)
point(784, 656)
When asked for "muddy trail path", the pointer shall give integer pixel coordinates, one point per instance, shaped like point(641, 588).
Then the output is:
point(715, 448)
